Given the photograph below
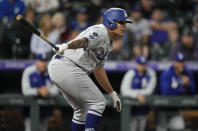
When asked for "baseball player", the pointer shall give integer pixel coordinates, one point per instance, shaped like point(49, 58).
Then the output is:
point(74, 60)
point(137, 83)
point(35, 82)
point(177, 80)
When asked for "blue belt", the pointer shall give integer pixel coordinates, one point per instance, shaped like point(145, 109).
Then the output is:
point(59, 57)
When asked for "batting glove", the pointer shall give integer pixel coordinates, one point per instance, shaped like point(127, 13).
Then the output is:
point(62, 48)
point(116, 101)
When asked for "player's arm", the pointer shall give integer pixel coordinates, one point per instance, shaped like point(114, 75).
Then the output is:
point(81, 43)
point(74, 44)
point(102, 79)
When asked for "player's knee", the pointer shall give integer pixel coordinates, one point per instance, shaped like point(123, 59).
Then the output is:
point(102, 105)
point(80, 114)
point(177, 127)
point(177, 123)
point(99, 106)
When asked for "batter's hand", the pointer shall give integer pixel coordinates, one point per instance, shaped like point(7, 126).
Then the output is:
point(116, 101)
point(62, 48)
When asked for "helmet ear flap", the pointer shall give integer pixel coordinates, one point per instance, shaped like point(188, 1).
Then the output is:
point(112, 15)
point(111, 24)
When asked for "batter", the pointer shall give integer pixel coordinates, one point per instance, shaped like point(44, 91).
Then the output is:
point(76, 59)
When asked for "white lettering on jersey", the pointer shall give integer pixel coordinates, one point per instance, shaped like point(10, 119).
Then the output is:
point(174, 83)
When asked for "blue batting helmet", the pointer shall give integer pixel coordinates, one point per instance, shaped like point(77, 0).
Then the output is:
point(114, 14)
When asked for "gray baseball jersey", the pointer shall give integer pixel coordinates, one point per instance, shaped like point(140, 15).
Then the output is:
point(70, 73)
point(99, 46)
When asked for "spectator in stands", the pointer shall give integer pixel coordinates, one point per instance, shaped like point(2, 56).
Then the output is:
point(9, 9)
point(22, 37)
point(81, 22)
point(138, 50)
point(195, 31)
point(139, 32)
point(140, 28)
point(160, 27)
point(138, 83)
point(39, 46)
point(117, 53)
point(195, 27)
point(94, 9)
point(176, 81)
point(186, 46)
point(159, 40)
point(100, 17)
point(146, 8)
point(173, 37)
point(43, 6)
point(36, 82)
point(60, 26)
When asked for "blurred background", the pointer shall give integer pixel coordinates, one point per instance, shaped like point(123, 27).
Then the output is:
point(165, 34)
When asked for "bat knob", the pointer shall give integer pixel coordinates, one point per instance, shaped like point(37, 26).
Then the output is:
point(18, 17)
point(56, 48)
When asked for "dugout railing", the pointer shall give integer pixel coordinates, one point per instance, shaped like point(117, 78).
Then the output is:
point(127, 103)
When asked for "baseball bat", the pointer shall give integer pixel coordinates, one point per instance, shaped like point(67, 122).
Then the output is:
point(34, 30)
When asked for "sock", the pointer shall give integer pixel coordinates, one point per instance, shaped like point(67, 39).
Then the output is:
point(76, 126)
point(92, 120)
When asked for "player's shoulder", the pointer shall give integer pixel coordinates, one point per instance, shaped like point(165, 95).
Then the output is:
point(130, 72)
point(30, 69)
point(150, 70)
point(100, 29)
point(167, 73)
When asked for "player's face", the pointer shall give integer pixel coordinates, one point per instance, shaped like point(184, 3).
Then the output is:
point(41, 65)
point(179, 66)
point(120, 28)
point(141, 68)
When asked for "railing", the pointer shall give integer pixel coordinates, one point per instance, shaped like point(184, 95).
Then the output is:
point(152, 101)
point(110, 66)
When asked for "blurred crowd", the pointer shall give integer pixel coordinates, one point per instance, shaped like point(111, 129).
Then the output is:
point(161, 28)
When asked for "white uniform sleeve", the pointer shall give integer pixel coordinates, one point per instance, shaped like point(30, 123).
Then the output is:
point(126, 85)
point(151, 84)
point(95, 38)
point(34, 43)
point(26, 88)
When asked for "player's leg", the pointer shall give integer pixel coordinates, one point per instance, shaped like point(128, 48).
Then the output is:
point(133, 123)
point(94, 99)
point(86, 95)
point(44, 124)
point(80, 111)
point(94, 115)
point(75, 83)
point(176, 122)
point(89, 97)
point(27, 124)
point(61, 74)
point(161, 120)
point(142, 122)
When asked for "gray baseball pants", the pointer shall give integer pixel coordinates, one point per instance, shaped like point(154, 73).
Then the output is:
point(77, 88)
